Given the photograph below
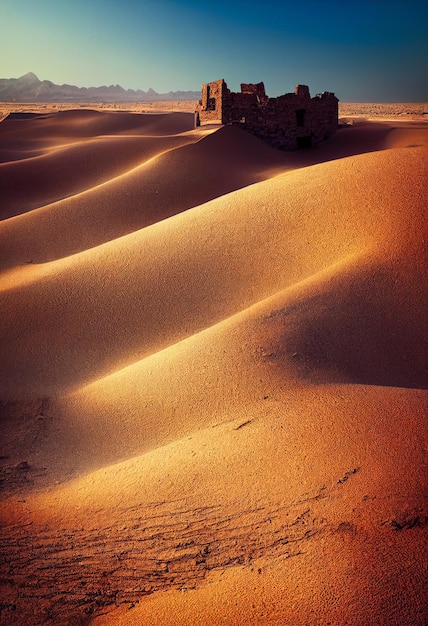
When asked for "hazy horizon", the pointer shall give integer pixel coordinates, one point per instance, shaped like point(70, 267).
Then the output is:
point(364, 52)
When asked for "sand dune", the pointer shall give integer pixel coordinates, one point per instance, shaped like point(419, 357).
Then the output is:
point(66, 171)
point(283, 231)
point(53, 128)
point(151, 191)
point(105, 212)
point(213, 375)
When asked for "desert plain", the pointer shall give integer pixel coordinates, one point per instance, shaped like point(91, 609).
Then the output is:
point(213, 370)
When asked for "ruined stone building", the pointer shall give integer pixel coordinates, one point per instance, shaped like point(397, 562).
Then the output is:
point(293, 120)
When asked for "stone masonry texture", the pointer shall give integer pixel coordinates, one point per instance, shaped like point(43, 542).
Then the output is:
point(291, 121)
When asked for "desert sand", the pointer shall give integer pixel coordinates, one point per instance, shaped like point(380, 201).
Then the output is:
point(213, 371)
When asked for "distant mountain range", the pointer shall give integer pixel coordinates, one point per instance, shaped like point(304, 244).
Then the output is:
point(29, 88)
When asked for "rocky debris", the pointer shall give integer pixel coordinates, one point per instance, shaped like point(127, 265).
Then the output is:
point(406, 521)
point(347, 475)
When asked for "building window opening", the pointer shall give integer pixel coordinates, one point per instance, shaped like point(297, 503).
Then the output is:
point(300, 117)
point(211, 104)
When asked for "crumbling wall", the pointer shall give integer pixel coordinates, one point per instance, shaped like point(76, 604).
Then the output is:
point(288, 122)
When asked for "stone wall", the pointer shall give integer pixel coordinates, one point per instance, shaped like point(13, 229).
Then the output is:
point(288, 122)
point(214, 98)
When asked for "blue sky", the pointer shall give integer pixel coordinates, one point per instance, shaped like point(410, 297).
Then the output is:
point(373, 51)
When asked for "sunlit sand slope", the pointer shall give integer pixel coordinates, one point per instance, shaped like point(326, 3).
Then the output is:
point(109, 306)
point(215, 411)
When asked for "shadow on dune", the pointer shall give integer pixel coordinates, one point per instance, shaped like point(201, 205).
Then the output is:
point(361, 138)
point(368, 329)
point(21, 115)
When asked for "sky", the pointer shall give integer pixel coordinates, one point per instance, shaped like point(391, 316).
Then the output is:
point(367, 51)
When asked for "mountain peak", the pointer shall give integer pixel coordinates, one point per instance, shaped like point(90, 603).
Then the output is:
point(30, 77)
